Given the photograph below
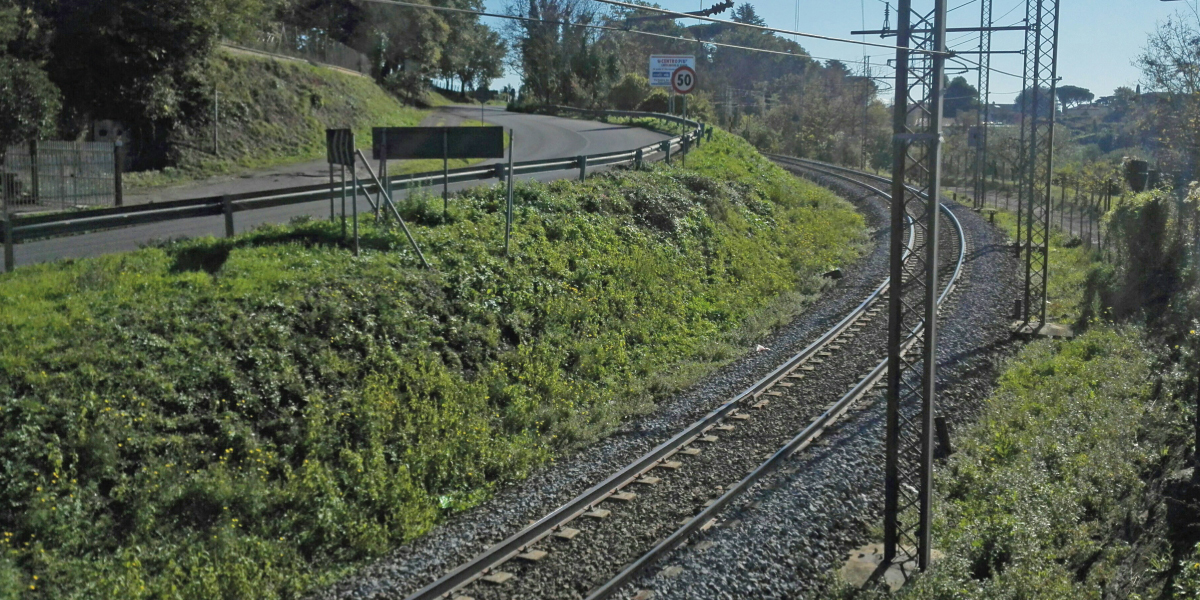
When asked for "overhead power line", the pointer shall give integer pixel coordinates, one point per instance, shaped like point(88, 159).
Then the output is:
point(800, 33)
point(606, 28)
point(814, 36)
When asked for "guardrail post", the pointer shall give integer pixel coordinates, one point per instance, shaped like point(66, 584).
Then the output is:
point(582, 167)
point(343, 181)
point(508, 203)
point(118, 166)
point(9, 257)
point(708, 133)
point(445, 177)
point(685, 142)
point(354, 204)
point(637, 160)
point(667, 149)
point(227, 208)
point(35, 188)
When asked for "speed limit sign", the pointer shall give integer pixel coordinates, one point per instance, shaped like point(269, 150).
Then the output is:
point(683, 80)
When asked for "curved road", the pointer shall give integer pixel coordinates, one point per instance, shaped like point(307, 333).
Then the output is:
point(535, 137)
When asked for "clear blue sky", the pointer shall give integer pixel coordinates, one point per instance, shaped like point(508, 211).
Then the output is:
point(1099, 39)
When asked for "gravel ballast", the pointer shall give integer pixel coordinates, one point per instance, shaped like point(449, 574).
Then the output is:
point(820, 507)
point(789, 535)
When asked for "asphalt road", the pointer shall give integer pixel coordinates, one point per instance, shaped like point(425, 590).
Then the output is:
point(535, 137)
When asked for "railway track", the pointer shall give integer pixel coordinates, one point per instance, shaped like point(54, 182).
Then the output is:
point(656, 502)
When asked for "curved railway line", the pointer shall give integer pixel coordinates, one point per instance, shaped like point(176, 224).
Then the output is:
point(656, 502)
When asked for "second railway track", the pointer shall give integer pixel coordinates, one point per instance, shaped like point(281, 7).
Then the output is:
point(596, 543)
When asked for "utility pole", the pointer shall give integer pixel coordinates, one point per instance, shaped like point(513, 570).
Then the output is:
point(912, 299)
point(862, 159)
point(985, 82)
point(1041, 64)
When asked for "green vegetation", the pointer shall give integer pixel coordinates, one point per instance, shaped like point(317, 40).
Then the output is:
point(254, 417)
point(1050, 493)
point(275, 112)
point(1070, 266)
point(153, 68)
point(1032, 501)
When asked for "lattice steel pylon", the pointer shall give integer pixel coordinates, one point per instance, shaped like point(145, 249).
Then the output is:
point(1041, 68)
point(916, 188)
point(985, 98)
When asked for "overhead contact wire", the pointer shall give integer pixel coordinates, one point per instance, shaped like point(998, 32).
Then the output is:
point(611, 28)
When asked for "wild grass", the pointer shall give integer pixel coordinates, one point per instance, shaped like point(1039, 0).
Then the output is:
point(1027, 506)
point(1037, 500)
point(1069, 266)
point(255, 417)
point(275, 112)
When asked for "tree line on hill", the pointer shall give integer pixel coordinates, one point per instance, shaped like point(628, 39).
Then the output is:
point(782, 101)
point(829, 110)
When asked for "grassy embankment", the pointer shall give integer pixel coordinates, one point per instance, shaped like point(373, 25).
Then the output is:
point(1045, 491)
point(275, 112)
point(252, 418)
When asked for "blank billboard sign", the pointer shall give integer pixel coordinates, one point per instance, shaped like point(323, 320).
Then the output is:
point(396, 143)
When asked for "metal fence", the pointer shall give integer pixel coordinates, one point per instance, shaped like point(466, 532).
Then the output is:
point(59, 175)
point(21, 228)
point(307, 44)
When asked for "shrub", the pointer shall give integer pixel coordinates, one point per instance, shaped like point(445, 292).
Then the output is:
point(658, 101)
point(1030, 501)
point(629, 93)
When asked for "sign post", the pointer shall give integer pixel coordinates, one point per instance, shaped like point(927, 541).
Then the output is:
point(663, 67)
point(508, 207)
point(339, 150)
point(400, 143)
point(666, 68)
point(382, 180)
point(445, 175)
point(683, 81)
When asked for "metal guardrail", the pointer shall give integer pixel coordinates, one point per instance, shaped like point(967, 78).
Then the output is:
point(21, 228)
point(631, 114)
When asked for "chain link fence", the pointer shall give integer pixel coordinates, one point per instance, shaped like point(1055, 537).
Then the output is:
point(306, 44)
point(60, 175)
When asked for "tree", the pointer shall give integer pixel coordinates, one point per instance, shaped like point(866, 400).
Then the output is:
point(1123, 99)
point(560, 63)
point(1170, 65)
point(130, 60)
point(745, 13)
point(29, 102)
point(1025, 100)
point(487, 57)
point(405, 44)
point(960, 96)
point(628, 93)
point(1072, 96)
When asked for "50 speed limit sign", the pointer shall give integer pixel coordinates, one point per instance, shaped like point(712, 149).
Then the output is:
point(683, 80)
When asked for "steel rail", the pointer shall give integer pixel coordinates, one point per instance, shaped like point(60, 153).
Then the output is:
point(505, 550)
point(962, 248)
point(806, 436)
